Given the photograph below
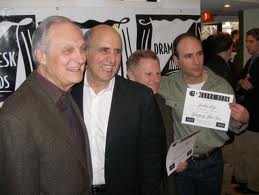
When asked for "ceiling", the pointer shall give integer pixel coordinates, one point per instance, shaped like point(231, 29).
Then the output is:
point(217, 6)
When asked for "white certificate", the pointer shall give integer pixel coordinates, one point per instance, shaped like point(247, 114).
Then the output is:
point(207, 109)
point(180, 151)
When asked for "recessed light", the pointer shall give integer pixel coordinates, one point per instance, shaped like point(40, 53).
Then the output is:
point(226, 5)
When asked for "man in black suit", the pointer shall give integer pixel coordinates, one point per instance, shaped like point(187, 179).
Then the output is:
point(143, 66)
point(218, 61)
point(122, 119)
point(247, 172)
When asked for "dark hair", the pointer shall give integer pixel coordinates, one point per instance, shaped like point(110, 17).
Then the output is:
point(207, 48)
point(180, 37)
point(135, 58)
point(221, 42)
point(234, 32)
point(254, 32)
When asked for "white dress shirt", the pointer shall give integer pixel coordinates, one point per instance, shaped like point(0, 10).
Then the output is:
point(96, 108)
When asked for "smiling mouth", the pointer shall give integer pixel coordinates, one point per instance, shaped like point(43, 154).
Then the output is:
point(107, 68)
point(74, 69)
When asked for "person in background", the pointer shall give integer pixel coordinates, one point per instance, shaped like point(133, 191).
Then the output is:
point(122, 119)
point(43, 141)
point(206, 47)
point(230, 69)
point(143, 66)
point(236, 60)
point(204, 172)
point(248, 175)
point(235, 38)
point(218, 61)
point(222, 45)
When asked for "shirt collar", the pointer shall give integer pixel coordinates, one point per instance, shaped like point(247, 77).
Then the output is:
point(109, 88)
point(52, 90)
point(254, 57)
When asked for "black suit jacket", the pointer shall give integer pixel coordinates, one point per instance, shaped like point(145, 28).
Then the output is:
point(222, 68)
point(168, 183)
point(38, 151)
point(133, 142)
point(251, 97)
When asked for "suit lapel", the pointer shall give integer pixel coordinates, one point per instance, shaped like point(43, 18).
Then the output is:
point(77, 93)
point(118, 92)
point(88, 154)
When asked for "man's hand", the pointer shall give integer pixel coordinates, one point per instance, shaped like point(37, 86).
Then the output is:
point(245, 83)
point(239, 113)
point(181, 166)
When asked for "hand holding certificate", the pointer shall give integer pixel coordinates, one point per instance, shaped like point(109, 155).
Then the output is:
point(207, 109)
point(180, 151)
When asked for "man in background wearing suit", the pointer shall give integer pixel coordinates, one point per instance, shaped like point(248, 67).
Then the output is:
point(143, 66)
point(246, 170)
point(43, 141)
point(122, 120)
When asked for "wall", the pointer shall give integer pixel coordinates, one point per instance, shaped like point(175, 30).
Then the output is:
point(250, 21)
point(226, 19)
point(183, 6)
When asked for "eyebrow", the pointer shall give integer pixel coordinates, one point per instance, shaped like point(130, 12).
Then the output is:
point(198, 52)
point(118, 49)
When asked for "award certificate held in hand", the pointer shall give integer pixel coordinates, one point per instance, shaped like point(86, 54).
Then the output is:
point(207, 109)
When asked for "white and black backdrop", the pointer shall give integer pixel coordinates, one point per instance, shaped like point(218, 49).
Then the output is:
point(139, 29)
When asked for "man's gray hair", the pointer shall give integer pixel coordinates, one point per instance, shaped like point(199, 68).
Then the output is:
point(40, 35)
point(88, 36)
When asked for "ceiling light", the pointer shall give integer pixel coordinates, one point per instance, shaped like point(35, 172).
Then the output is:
point(226, 5)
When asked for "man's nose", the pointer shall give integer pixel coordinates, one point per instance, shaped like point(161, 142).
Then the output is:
point(80, 56)
point(156, 78)
point(196, 59)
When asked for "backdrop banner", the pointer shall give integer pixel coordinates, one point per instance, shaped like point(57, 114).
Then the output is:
point(139, 29)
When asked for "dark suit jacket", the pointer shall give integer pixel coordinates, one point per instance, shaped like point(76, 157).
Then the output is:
point(168, 182)
point(251, 97)
point(166, 113)
point(38, 152)
point(222, 68)
point(133, 142)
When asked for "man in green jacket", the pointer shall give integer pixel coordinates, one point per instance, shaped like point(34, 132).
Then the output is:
point(203, 174)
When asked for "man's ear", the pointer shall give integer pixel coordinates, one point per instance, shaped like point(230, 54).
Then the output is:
point(40, 56)
point(176, 59)
point(130, 75)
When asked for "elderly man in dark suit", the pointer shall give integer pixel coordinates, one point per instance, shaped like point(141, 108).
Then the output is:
point(43, 141)
point(122, 120)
